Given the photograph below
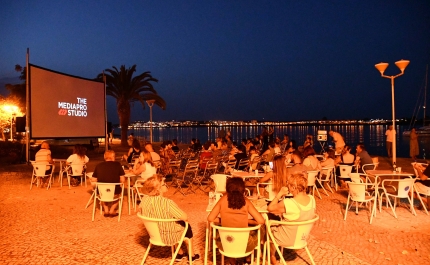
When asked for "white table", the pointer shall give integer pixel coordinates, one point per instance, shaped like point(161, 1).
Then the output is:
point(246, 175)
point(259, 204)
point(61, 169)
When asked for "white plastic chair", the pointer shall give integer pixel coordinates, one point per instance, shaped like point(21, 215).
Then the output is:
point(415, 170)
point(372, 166)
point(39, 173)
point(234, 242)
point(136, 192)
point(326, 176)
point(151, 225)
point(404, 191)
point(74, 170)
point(220, 181)
point(268, 186)
point(344, 172)
point(357, 193)
point(301, 239)
point(420, 189)
point(312, 178)
point(105, 192)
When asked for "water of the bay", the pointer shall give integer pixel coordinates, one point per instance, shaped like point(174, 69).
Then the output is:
point(373, 136)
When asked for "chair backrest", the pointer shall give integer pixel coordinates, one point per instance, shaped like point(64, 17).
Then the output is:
point(404, 186)
point(303, 230)
point(312, 175)
point(106, 191)
point(234, 240)
point(345, 170)
point(372, 166)
point(357, 191)
point(77, 169)
point(220, 181)
point(328, 172)
point(39, 168)
point(151, 225)
point(355, 177)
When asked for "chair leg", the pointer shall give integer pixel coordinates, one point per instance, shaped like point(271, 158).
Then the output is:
point(146, 254)
point(310, 256)
point(322, 186)
point(346, 209)
point(94, 206)
point(422, 203)
point(389, 202)
point(412, 206)
point(89, 201)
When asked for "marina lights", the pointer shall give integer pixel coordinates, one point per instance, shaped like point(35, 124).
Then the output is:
point(150, 104)
point(402, 64)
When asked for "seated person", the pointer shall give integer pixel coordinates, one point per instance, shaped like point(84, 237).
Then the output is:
point(233, 209)
point(423, 180)
point(362, 158)
point(252, 155)
point(109, 171)
point(299, 208)
point(175, 147)
point(329, 161)
point(298, 167)
point(311, 162)
point(154, 205)
point(134, 151)
point(278, 176)
point(143, 166)
point(78, 157)
point(241, 154)
point(269, 153)
point(155, 157)
point(44, 156)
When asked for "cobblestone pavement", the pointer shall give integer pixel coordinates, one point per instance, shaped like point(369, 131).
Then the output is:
point(52, 227)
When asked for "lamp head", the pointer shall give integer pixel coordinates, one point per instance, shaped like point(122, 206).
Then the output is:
point(402, 64)
point(381, 67)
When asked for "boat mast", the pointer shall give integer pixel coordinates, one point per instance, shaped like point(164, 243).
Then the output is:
point(425, 97)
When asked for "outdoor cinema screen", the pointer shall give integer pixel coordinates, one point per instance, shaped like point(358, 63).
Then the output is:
point(64, 106)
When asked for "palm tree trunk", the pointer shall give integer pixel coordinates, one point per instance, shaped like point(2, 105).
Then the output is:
point(123, 109)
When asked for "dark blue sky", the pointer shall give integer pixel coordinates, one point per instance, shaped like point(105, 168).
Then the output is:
point(233, 60)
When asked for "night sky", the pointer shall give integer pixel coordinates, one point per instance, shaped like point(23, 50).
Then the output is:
point(233, 60)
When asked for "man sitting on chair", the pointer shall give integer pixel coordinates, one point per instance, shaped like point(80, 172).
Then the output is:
point(423, 180)
point(44, 156)
point(109, 171)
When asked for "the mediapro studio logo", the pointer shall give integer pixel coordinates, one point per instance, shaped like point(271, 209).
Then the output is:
point(62, 112)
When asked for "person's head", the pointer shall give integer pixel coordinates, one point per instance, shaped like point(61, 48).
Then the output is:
point(109, 155)
point(279, 173)
point(44, 145)
point(79, 150)
point(152, 186)
point(330, 154)
point(136, 144)
point(148, 147)
point(346, 149)
point(131, 134)
point(308, 151)
point(252, 150)
point(297, 182)
point(207, 145)
point(331, 132)
point(175, 142)
point(193, 140)
point(244, 141)
point(286, 137)
point(293, 144)
point(242, 148)
point(145, 156)
point(272, 144)
point(360, 148)
point(413, 130)
point(390, 127)
point(235, 188)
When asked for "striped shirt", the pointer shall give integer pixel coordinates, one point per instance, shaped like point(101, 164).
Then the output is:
point(163, 208)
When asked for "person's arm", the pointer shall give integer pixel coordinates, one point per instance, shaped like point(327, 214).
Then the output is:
point(266, 177)
point(254, 213)
point(276, 206)
point(213, 216)
point(420, 171)
point(138, 168)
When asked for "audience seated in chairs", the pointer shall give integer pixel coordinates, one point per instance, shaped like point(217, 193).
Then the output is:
point(154, 205)
point(78, 157)
point(109, 171)
point(233, 209)
point(299, 208)
point(44, 155)
point(133, 152)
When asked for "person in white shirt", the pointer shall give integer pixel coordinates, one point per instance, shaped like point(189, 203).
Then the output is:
point(391, 134)
point(338, 140)
point(78, 157)
point(155, 157)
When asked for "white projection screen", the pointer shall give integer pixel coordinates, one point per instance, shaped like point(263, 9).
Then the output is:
point(64, 106)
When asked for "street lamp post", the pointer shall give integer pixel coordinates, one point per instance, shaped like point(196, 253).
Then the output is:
point(150, 104)
point(402, 64)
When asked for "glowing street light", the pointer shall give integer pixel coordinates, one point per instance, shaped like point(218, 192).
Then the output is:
point(150, 104)
point(402, 64)
point(12, 110)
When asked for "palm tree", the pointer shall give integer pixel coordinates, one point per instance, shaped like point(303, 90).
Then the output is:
point(127, 89)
